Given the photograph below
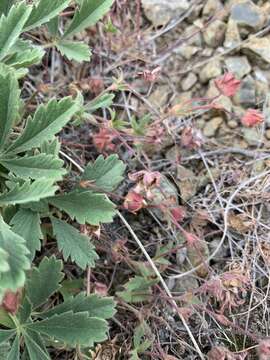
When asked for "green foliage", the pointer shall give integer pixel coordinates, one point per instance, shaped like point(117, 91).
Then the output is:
point(142, 340)
point(137, 289)
point(104, 174)
point(33, 183)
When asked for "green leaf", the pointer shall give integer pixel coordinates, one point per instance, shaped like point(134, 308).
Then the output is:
point(4, 350)
point(85, 206)
point(137, 289)
point(23, 54)
point(6, 335)
point(35, 167)
point(96, 306)
point(27, 192)
point(14, 353)
point(26, 223)
point(77, 51)
point(11, 26)
point(53, 26)
point(48, 120)
point(5, 319)
point(101, 102)
point(44, 11)
point(88, 15)
point(104, 174)
point(74, 329)
point(24, 311)
point(13, 257)
point(44, 281)
point(9, 105)
point(35, 351)
point(73, 244)
point(5, 5)
point(51, 147)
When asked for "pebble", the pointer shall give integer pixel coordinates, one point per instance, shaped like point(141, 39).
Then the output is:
point(232, 36)
point(238, 65)
point(159, 96)
point(160, 12)
point(233, 124)
point(247, 15)
point(210, 71)
point(189, 81)
point(258, 51)
point(251, 136)
point(246, 95)
point(187, 51)
point(187, 182)
point(212, 126)
point(267, 134)
point(212, 7)
point(215, 33)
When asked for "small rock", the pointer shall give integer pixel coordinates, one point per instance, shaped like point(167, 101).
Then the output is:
point(267, 134)
point(261, 87)
point(212, 126)
point(232, 36)
point(214, 33)
point(224, 101)
point(233, 124)
point(207, 52)
point(210, 71)
point(258, 51)
point(187, 182)
point(251, 136)
point(238, 65)
point(187, 283)
point(187, 51)
point(212, 7)
point(189, 81)
point(159, 96)
point(246, 95)
point(160, 12)
point(194, 34)
point(248, 15)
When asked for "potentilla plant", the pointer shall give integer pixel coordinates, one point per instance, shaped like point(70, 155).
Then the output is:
point(31, 174)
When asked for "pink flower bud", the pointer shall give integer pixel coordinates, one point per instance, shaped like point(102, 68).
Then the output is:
point(252, 118)
point(227, 84)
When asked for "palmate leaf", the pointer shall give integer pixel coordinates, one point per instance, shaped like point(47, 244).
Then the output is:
point(14, 254)
point(104, 174)
point(6, 335)
point(44, 281)
point(77, 51)
point(44, 11)
point(11, 26)
point(87, 15)
point(23, 54)
point(14, 353)
point(73, 244)
point(96, 306)
point(35, 167)
point(26, 223)
point(9, 104)
point(85, 206)
point(35, 351)
point(73, 329)
point(27, 192)
point(48, 120)
point(51, 147)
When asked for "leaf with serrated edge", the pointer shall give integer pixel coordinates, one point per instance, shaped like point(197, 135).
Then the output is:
point(26, 223)
point(27, 192)
point(6, 335)
point(11, 26)
point(104, 174)
point(9, 104)
point(85, 206)
point(44, 11)
point(34, 350)
point(14, 246)
point(73, 329)
point(35, 167)
point(14, 353)
point(73, 244)
point(48, 120)
point(5, 5)
point(44, 281)
point(100, 307)
point(88, 15)
point(20, 59)
point(77, 51)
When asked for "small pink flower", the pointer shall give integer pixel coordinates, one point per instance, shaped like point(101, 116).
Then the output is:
point(134, 202)
point(227, 84)
point(252, 118)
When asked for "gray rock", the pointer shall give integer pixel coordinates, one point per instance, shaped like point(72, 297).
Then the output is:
point(246, 95)
point(187, 182)
point(232, 36)
point(212, 126)
point(159, 96)
point(194, 30)
point(210, 71)
point(258, 51)
point(238, 65)
point(251, 136)
point(214, 33)
point(187, 51)
point(160, 12)
point(189, 81)
point(247, 15)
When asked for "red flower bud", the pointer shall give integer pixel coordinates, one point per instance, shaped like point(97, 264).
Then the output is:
point(227, 84)
point(252, 118)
